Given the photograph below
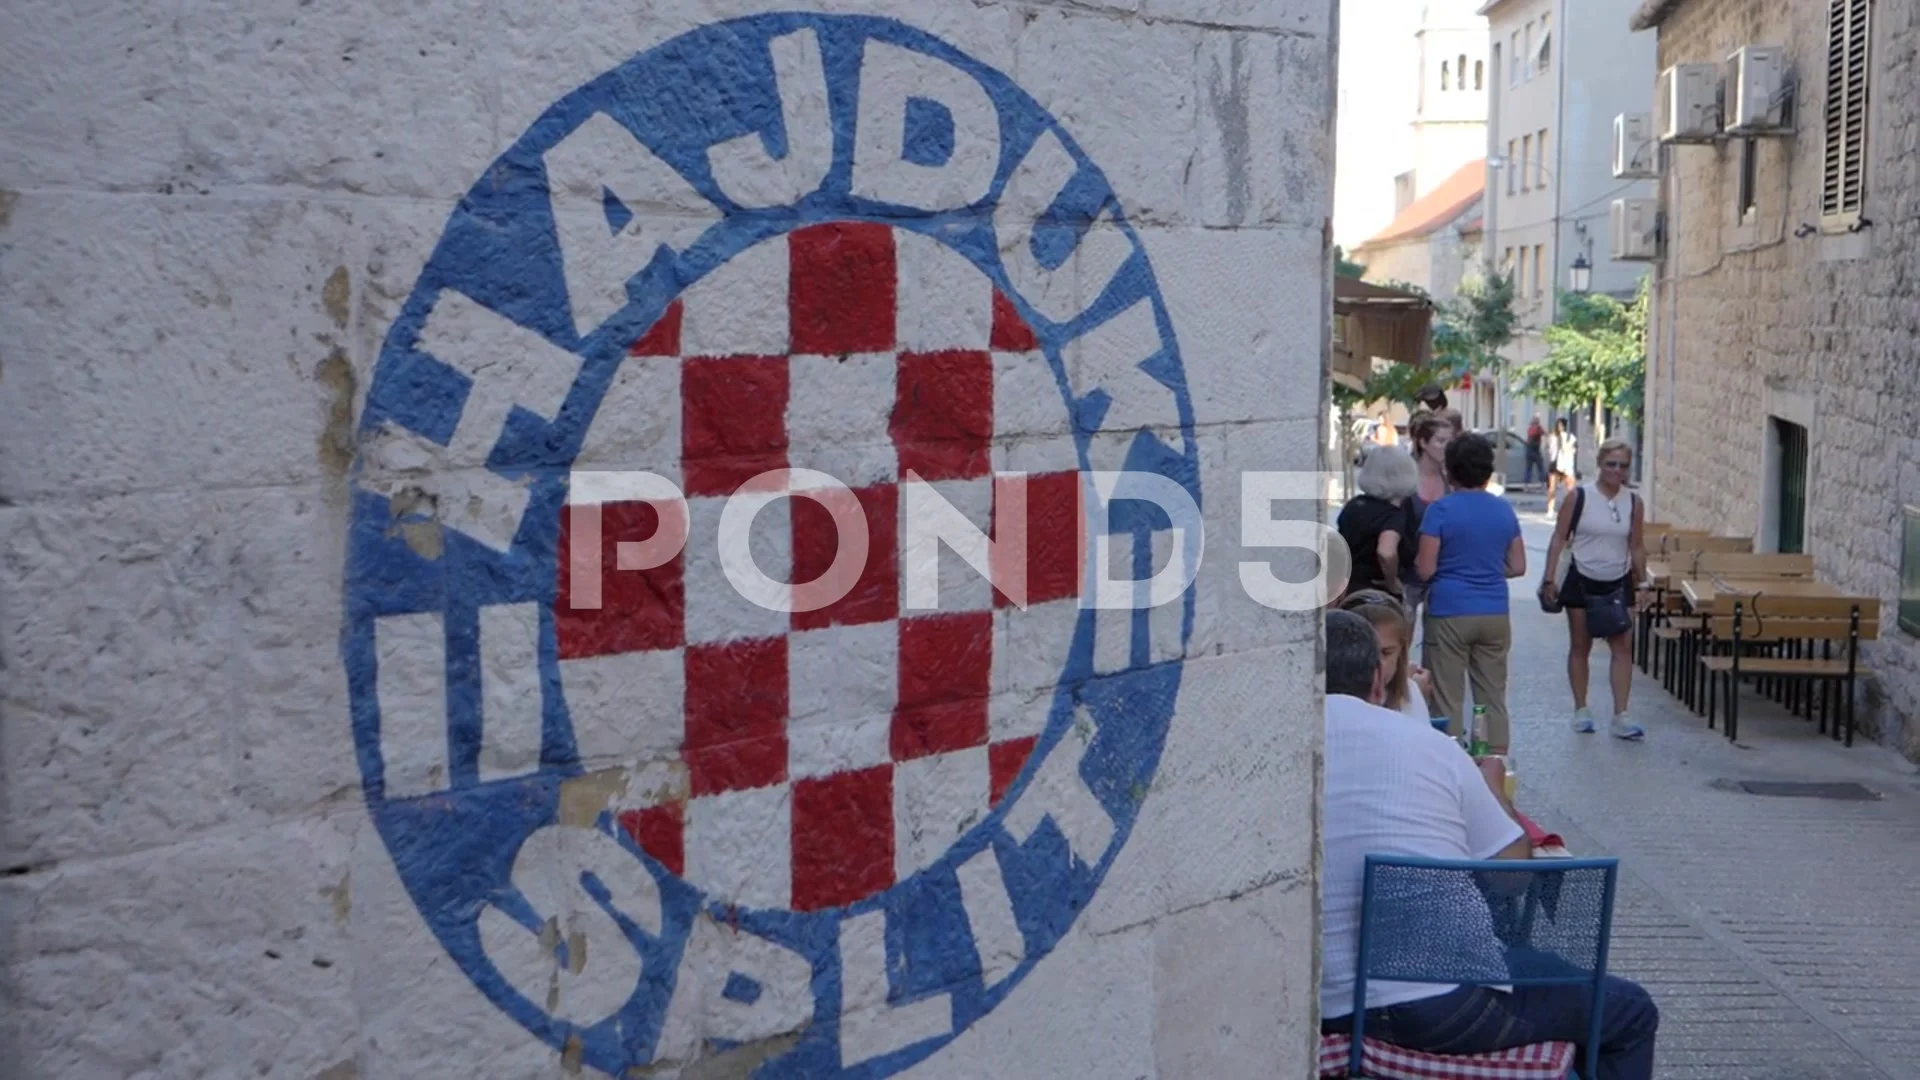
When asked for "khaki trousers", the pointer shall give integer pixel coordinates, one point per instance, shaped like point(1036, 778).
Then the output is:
point(1470, 647)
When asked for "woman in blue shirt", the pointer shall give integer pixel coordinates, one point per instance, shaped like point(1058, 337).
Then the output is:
point(1469, 546)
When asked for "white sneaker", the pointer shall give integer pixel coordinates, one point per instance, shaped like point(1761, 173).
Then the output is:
point(1623, 728)
point(1583, 721)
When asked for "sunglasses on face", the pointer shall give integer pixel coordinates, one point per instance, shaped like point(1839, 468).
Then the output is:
point(1613, 464)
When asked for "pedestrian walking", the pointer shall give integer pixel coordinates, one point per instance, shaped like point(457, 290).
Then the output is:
point(1385, 434)
point(1407, 684)
point(1562, 471)
point(1470, 545)
point(1598, 528)
point(1380, 525)
point(1429, 432)
point(1536, 465)
point(1431, 398)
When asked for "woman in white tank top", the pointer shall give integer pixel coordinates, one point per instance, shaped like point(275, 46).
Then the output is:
point(1605, 554)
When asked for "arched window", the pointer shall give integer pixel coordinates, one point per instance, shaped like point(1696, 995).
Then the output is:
point(1443, 76)
point(1479, 74)
point(1461, 67)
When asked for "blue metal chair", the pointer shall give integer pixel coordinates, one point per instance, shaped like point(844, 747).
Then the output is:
point(1426, 921)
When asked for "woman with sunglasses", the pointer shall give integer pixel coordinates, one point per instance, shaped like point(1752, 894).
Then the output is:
point(1599, 528)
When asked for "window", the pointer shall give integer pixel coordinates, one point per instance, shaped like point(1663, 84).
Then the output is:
point(1445, 70)
point(1746, 201)
point(1460, 68)
point(1479, 74)
point(1514, 165)
point(1539, 260)
point(1514, 61)
point(1540, 159)
point(1910, 569)
point(1843, 185)
point(1526, 48)
point(1520, 272)
point(1526, 162)
point(1543, 60)
point(1506, 263)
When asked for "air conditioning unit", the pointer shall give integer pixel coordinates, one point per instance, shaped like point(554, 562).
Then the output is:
point(1758, 95)
point(1686, 104)
point(1634, 147)
point(1635, 230)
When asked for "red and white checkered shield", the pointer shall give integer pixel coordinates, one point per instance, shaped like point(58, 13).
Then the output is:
point(807, 759)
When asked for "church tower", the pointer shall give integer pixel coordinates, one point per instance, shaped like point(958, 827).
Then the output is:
point(1450, 104)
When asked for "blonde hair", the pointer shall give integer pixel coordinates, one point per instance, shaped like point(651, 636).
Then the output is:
point(1610, 446)
point(1388, 472)
point(1381, 609)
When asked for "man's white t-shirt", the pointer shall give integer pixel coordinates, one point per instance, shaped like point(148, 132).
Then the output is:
point(1395, 787)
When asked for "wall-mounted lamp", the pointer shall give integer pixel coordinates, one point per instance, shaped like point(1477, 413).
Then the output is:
point(1581, 274)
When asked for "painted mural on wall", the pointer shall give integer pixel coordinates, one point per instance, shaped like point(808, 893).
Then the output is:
point(650, 815)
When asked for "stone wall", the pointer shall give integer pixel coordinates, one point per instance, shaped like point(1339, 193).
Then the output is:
point(1821, 327)
point(352, 727)
point(1409, 262)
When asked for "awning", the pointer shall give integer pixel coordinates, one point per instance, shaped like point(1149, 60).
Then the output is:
point(1376, 321)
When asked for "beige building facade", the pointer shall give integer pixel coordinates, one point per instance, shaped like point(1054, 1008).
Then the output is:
point(1549, 142)
point(1412, 106)
point(1783, 386)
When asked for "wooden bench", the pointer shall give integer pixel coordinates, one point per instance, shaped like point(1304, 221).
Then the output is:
point(1747, 564)
point(1774, 638)
point(1656, 632)
point(1695, 542)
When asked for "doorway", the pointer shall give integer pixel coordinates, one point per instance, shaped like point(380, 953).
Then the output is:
point(1788, 484)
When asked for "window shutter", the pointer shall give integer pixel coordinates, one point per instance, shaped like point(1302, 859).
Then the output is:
point(1843, 187)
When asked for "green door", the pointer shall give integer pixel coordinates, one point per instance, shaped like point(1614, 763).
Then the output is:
point(1792, 494)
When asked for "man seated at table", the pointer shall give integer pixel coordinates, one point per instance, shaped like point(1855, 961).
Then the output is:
point(1399, 788)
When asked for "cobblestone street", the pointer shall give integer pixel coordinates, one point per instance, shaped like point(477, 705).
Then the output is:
point(1777, 934)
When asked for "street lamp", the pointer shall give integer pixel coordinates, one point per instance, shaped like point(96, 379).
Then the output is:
point(1581, 276)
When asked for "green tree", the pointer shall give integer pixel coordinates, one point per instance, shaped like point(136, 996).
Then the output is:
point(1596, 356)
point(1470, 330)
point(1343, 267)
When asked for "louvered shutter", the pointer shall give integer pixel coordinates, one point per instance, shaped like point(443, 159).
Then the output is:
point(1843, 187)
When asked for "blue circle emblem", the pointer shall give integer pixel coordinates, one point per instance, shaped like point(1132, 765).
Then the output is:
point(653, 823)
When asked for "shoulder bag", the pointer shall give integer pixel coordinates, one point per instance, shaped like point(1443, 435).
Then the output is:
point(1554, 606)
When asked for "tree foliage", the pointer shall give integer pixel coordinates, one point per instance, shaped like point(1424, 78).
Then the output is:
point(1468, 333)
point(1596, 354)
point(1344, 267)
point(1470, 330)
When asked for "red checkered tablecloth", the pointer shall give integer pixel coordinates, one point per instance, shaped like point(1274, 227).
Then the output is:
point(1387, 1062)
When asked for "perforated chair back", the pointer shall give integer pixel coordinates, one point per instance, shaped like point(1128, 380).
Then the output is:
point(1543, 922)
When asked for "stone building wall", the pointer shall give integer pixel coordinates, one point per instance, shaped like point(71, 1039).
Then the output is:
point(353, 356)
point(1823, 328)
